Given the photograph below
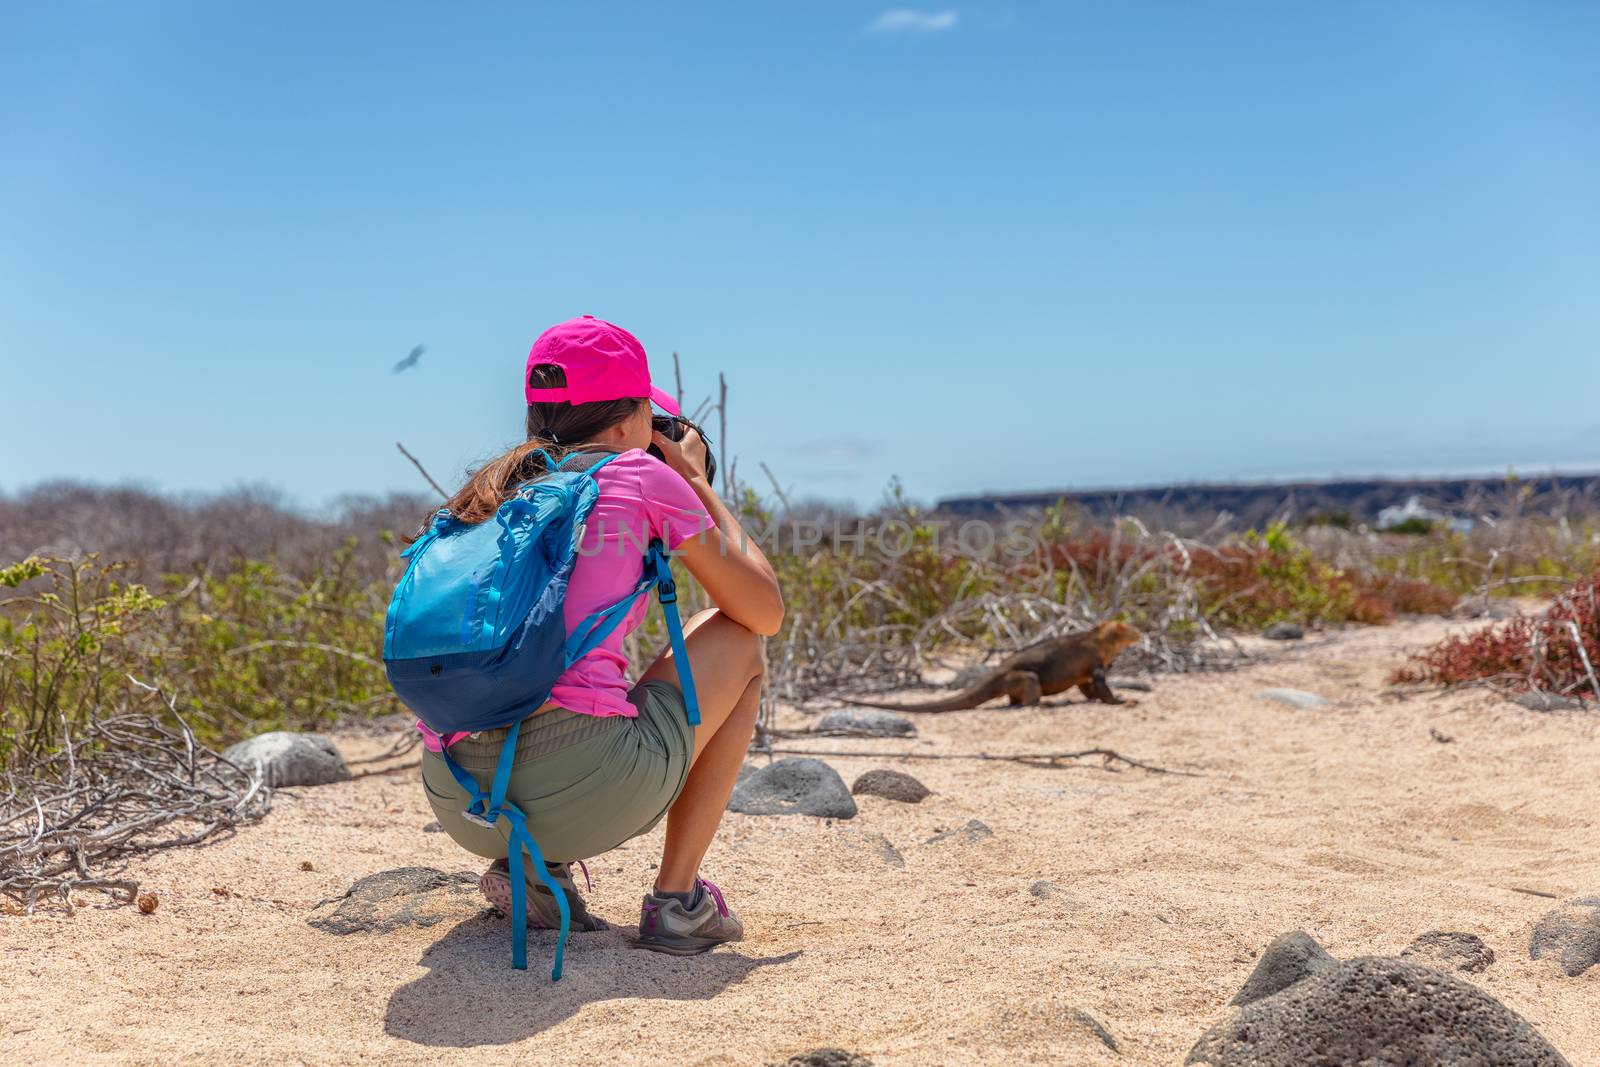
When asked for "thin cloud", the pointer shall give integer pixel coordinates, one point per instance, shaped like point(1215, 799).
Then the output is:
point(910, 20)
point(838, 449)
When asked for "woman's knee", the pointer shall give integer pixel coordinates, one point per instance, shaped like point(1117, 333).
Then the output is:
point(756, 649)
point(740, 644)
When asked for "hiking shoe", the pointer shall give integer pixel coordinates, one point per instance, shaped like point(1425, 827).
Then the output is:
point(543, 912)
point(666, 925)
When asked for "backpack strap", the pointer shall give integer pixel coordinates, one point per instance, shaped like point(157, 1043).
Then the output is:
point(597, 626)
point(486, 809)
point(668, 595)
point(596, 458)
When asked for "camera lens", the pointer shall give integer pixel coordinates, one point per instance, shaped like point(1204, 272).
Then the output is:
point(669, 426)
point(673, 427)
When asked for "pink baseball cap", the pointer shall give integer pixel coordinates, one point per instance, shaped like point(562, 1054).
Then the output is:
point(601, 361)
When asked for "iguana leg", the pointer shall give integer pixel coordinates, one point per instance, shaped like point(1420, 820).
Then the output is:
point(1096, 688)
point(1022, 687)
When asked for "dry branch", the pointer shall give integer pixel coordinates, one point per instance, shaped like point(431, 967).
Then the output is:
point(130, 783)
point(1108, 757)
point(422, 470)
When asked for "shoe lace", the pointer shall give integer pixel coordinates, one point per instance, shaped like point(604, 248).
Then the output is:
point(716, 895)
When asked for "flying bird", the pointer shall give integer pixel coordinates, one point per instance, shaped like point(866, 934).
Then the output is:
point(411, 360)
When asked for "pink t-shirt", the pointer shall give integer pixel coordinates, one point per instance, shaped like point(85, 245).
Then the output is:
point(641, 498)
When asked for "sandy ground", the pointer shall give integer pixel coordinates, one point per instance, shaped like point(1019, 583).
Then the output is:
point(1349, 822)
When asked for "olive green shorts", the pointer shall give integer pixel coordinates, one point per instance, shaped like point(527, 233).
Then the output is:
point(586, 783)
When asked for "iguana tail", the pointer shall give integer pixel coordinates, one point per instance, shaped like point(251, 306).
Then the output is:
point(986, 689)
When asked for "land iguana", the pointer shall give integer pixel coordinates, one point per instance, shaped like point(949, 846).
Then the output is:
point(1051, 666)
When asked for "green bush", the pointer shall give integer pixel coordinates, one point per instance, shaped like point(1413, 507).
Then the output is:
point(243, 648)
point(68, 638)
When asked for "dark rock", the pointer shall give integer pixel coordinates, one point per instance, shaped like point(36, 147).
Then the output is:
point(1283, 631)
point(1296, 698)
point(1450, 950)
point(1380, 1012)
point(287, 758)
point(433, 828)
point(891, 785)
point(1541, 700)
point(864, 722)
point(1135, 684)
point(1571, 932)
point(971, 833)
point(1287, 959)
point(874, 844)
point(794, 787)
point(745, 771)
point(825, 1057)
point(408, 896)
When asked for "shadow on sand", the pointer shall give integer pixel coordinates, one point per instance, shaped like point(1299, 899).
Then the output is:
point(471, 995)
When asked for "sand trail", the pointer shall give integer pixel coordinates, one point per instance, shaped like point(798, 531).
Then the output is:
point(1351, 822)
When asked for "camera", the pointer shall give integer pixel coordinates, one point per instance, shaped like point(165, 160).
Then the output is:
point(673, 427)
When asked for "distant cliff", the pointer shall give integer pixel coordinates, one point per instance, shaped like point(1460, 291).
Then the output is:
point(1255, 504)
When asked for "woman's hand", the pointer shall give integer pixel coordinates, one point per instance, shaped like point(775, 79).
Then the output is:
point(687, 456)
point(730, 567)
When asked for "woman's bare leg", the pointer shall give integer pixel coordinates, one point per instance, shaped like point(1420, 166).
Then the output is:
point(729, 669)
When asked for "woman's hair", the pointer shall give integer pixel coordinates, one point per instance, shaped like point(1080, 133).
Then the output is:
point(556, 427)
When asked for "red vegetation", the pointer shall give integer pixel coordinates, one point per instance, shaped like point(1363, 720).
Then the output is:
point(1524, 652)
point(1409, 596)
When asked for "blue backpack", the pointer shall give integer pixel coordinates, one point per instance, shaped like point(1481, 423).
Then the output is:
point(475, 638)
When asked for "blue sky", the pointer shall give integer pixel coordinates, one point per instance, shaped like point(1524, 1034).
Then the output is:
point(987, 245)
